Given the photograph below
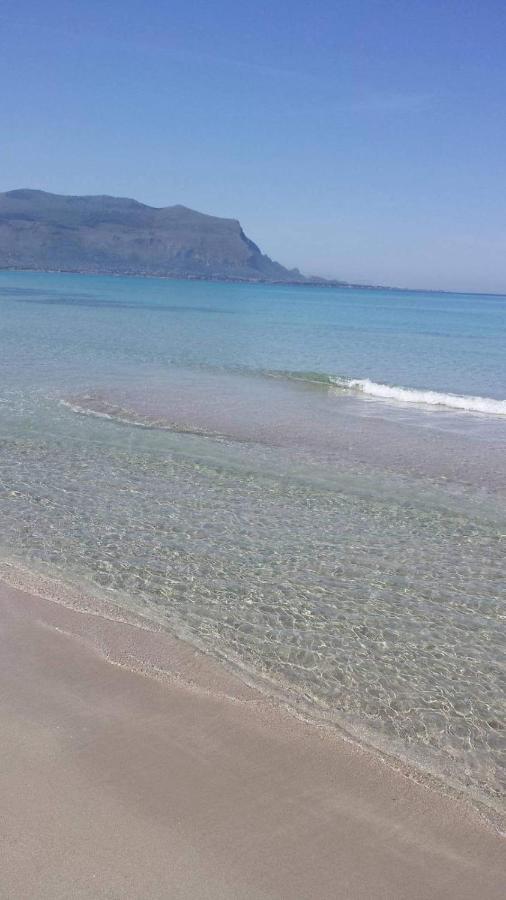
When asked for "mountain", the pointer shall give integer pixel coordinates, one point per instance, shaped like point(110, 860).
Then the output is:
point(115, 235)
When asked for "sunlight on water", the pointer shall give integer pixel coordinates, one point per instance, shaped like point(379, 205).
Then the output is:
point(365, 580)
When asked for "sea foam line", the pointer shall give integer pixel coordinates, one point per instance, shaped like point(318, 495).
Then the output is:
point(420, 396)
point(463, 402)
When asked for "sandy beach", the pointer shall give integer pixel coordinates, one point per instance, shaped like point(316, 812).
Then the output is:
point(115, 784)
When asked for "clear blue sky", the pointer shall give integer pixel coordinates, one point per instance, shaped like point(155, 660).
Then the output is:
point(359, 139)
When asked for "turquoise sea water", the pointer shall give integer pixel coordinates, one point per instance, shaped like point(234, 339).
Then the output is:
point(306, 483)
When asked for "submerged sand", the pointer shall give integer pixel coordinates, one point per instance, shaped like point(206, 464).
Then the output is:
point(116, 784)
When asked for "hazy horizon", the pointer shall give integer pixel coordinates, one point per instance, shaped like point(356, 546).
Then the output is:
point(361, 142)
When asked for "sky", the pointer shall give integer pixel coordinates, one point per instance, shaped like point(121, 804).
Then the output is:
point(363, 140)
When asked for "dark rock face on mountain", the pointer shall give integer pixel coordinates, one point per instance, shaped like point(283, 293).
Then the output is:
point(116, 235)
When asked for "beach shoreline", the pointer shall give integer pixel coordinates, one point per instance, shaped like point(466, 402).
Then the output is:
point(194, 784)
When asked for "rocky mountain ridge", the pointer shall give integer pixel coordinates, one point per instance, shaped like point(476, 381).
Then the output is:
point(115, 235)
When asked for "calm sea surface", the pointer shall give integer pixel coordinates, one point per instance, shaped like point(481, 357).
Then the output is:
point(308, 484)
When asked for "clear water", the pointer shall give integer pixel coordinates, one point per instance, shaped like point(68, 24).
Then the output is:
point(203, 453)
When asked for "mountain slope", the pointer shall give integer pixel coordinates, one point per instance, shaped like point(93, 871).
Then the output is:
point(105, 234)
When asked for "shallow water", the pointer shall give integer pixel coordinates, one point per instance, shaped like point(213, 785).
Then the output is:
point(160, 442)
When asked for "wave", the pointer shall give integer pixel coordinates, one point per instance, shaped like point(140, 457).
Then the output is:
point(102, 409)
point(465, 403)
point(99, 408)
point(429, 398)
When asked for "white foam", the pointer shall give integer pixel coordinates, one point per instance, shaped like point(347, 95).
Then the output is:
point(486, 405)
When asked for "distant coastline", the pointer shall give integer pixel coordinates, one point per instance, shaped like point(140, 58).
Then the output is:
point(121, 237)
point(309, 282)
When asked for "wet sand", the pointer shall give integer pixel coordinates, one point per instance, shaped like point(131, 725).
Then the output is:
point(117, 784)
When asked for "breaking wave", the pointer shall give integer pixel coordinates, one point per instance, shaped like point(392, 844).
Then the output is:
point(429, 398)
point(487, 405)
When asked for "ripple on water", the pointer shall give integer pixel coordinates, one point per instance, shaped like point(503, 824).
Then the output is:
point(383, 615)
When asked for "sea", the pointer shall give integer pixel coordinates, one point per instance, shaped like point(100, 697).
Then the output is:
point(306, 483)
